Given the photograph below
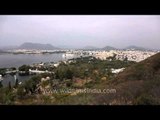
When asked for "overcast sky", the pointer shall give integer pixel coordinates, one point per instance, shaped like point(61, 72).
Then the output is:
point(81, 30)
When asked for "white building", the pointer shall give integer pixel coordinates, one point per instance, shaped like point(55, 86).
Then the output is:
point(117, 70)
point(1, 78)
point(56, 64)
point(39, 71)
point(68, 55)
point(45, 79)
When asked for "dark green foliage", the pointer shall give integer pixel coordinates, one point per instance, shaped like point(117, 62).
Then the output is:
point(69, 83)
point(63, 72)
point(21, 92)
point(145, 99)
point(85, 67)
point(3, 71)
point(16, 83)
point(9, 85)
point(9, 98)
point(69, 74)
point(44, 75)
point(1, 85)
point(13, 68)
point(24, 68)
point(6, 96)
point(31, 85)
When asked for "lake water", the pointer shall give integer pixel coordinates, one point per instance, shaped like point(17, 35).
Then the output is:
point(10, 78)
point(16, 60)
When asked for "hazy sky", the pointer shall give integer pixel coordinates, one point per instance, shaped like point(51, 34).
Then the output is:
point(81, 30)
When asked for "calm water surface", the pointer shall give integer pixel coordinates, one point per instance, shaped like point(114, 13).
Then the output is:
point(16, 60)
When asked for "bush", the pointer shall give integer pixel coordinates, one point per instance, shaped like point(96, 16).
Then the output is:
point(1, 85)
point(44, 83)
point(6, 96)
point(13, 68)
point(21, 92)
point(3, 71)
point(69, 83)
point(69, 74)
point(46, 99)
point(145, 99)
point(25, 69)
point(31, 85)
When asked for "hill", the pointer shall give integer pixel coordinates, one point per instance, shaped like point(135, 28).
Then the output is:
point(37, 46)
point(108, 48)
point(91, 48)
point(137, 84)
point(144, 70)
point(135, 48)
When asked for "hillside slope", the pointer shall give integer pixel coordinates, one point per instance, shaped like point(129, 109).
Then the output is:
point(137, 84)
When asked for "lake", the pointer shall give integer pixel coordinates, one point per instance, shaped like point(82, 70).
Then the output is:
point(16, 60)
point(10, 78)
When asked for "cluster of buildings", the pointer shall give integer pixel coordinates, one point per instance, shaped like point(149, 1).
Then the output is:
point(131, 55)
point(75, 53)
point(136, 56)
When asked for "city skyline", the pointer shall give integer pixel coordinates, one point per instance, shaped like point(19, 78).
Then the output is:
point(81, 30)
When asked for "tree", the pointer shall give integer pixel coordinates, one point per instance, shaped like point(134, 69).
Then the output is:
point(13, 68)
point(145, 99)
point(16, 83)
point(69, 74)
point(9, 85)
point(109, 73)
point(25, 69)
point(1, 84)
point(2, 71)
point(21, 92)
point(57, 74)
point(125, 59)
point(9, 97)
point(31, 85)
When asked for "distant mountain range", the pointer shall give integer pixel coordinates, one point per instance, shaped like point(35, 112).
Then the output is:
point(37, 46)
point(113, 48)
point(109, 48)
point(96, 48)
point(136, 48)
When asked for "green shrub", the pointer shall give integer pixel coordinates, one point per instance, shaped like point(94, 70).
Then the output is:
point(21, 92)
point(145, 99)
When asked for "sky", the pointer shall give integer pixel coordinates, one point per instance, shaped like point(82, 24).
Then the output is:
point(81, 30)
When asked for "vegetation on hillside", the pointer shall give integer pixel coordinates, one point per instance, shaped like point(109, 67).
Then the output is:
point(137, 84)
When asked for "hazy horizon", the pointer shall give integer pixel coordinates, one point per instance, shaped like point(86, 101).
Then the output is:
point(81, 30)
